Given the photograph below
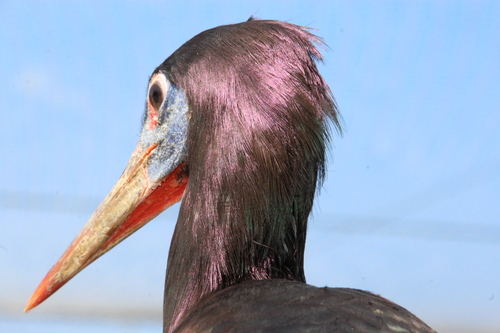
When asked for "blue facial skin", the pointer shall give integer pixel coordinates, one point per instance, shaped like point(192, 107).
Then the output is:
point(170, 134)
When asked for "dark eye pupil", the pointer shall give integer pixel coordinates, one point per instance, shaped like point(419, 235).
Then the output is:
point(156, 97)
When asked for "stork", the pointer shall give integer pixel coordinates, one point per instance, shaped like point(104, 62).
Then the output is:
point(235, 125)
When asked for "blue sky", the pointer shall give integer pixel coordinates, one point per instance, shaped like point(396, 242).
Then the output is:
point(410, 206)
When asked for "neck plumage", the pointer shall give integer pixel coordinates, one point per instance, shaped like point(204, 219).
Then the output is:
point(243, 217)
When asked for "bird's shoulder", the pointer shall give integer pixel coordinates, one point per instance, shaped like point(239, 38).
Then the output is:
point(289, 306)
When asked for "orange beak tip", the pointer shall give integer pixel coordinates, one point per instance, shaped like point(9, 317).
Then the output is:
point(45, 289)
point(38, 297)
point(31, 304)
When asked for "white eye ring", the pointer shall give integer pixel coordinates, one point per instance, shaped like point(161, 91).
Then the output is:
point(157, 91)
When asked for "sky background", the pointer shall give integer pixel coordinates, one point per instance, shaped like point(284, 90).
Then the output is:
point(410, 208)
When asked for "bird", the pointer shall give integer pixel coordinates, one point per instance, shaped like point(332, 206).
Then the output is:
point(236, 125)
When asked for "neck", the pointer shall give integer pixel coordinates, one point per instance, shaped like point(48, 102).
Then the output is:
point(243, 217)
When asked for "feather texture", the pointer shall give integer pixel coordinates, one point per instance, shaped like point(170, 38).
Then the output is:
point(259, 115)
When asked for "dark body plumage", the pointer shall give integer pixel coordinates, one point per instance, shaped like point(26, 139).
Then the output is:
point(259, 118)
point(288, 306)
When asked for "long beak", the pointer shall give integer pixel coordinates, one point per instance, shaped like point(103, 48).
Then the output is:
point(134, 201)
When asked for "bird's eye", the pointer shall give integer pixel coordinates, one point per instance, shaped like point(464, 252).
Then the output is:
point(157, 92)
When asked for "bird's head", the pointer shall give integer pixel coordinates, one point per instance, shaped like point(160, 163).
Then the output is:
point(231, 102)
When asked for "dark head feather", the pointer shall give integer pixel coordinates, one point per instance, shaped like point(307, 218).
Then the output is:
point(259, 119)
